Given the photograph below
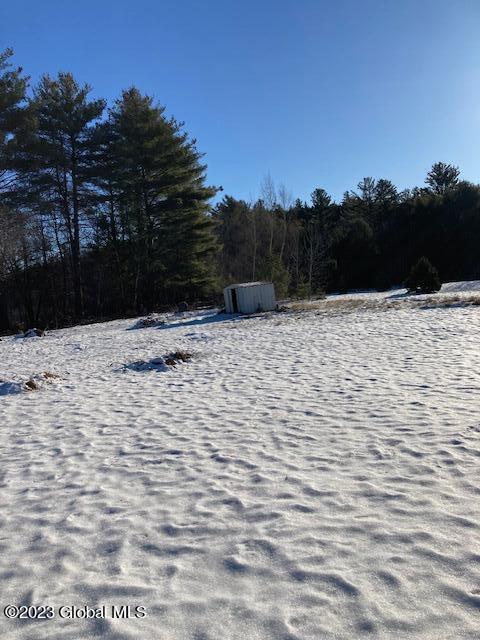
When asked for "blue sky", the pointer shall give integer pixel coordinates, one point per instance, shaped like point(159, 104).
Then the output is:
point(316, 93)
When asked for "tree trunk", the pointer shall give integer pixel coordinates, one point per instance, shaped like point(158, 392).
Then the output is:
point(77, 276)
point(4, 319)
point(254, 258)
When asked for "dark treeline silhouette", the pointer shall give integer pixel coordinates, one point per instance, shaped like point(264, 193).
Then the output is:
point(104, 212)
point(370, 239)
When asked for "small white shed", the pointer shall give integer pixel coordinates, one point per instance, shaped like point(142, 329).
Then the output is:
point(249, 297)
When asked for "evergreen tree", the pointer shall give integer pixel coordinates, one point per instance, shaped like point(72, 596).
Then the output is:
point(13, 86)
point(235, 227)
point(442, 177)
point(423, 277)
point(163, 201)
point(53, 162)
point(317, 235)
point(385, 192)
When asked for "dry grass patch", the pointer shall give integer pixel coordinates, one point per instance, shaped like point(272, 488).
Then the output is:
point(349, 305)
point(161, 363)
point(172, 359)
point(451, 300)
point(342, 305)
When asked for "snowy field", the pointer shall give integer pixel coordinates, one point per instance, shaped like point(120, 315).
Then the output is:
point(312, 474)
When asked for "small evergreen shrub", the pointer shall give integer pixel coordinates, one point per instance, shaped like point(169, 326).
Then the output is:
point(423, 278)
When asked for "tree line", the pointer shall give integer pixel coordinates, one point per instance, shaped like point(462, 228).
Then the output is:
point(105, 211)
point(368, 240)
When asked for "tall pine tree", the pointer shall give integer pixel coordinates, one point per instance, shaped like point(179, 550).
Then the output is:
point(13, 86)
point(162, 201)
point(54, 160)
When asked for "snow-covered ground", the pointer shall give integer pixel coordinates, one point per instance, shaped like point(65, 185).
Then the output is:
point(305, 475)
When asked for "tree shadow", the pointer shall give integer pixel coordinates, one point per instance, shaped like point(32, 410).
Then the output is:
point(212, 318)
point(403, 294)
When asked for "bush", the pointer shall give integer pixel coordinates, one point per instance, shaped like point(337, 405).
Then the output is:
point(423, 278)
point(302, 290)
point(273, 269)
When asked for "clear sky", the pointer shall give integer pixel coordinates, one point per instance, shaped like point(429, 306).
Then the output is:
point(318, 93)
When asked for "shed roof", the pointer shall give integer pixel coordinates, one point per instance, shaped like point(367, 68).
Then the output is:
point(246, 284)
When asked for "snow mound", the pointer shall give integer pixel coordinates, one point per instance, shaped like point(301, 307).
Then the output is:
point(31, 333)
point(460, 287)
point(151, 320)
point(34, 383)
point(162, 363)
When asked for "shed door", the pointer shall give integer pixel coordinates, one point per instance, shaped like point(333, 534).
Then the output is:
point(234, 300)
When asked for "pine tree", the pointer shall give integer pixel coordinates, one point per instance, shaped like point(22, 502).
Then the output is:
point(442, 178)
point(234, 227)
point(13, 86)
point(53, 162)
point(316, 229)
point(162, 200)
point(423, 277)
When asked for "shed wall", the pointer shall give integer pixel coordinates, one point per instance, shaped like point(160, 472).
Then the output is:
point(256, 298)
point(250, 298)
point(227, 295)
